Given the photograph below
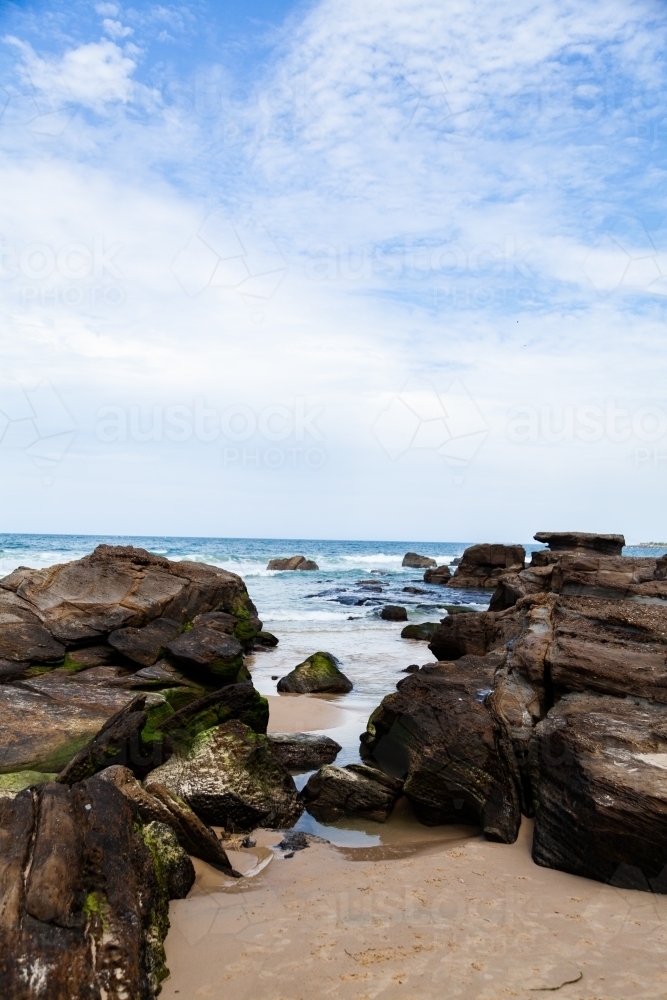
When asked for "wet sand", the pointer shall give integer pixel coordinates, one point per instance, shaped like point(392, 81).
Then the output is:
point(464, 918)
point(303, 713)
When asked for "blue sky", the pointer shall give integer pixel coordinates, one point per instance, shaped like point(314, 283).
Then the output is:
point(386, 270)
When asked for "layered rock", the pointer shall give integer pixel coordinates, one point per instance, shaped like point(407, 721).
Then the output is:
point(292, 563)
point(303, 751)
point(318, 673)
point(461, 634)
point(145, 645)
point(482, 566)
point(230, 777)
point(394, 613)
point(599, 767)
point(83, 896)
point(441, 574)
point(354, 790)
point(560, 541)
point(414, 561)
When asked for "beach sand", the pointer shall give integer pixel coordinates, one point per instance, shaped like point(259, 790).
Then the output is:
point(421, 914)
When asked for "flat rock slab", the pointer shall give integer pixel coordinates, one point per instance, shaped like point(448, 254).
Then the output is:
point(303, 751)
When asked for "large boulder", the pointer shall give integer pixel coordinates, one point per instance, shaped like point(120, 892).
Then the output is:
point(482, 566)
point(145, 645)
point(476, 634)
point(424, 632)
point(354, 790)
point(230, 777)
point(441, 575)
point(207, 653)
point(318, 673)
point(23, 637)
point(303, 751)
point(118, 742)
point(560, 541)
point(155, 803)
point(84, 897)
point(440, 733)
point(394, 613)
point(234, 701)
point(414, 561)
point(600, 778)
point(292, 563)
point(117, 586)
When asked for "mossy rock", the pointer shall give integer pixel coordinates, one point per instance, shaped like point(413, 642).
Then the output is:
point(174, 870)
point(12, 784)
point(320, 672)
point(236, 701)
point(424, 631)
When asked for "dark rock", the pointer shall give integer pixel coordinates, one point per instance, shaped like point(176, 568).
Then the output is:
point(84, 909)
point(355, 790)
point(265, 640)
point(412, 668)
point(230, 777)
point(475, 634)
point(303, 751)
point(118, 742)
point(558, 541)
point(235, 701)
point(439, 731)
point(22, 641)
point(208, 654)
point(440, 574)
point(292, 563)
point(415, 561)
point(424, 631)
point(172, 864)
point(482, 566)
point(65, 688)
point(459, 609)
point(91, 656)
point(145, 645)
point(161, 674)
point(394, 613)
point(293, 841)
point(119, 586)
point(457, 561)
point(217, 619)
point(598, 767)
point(100, 676)
point(12, 671)
point(320, 672)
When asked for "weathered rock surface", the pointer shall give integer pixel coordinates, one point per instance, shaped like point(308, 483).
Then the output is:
point(354, 790)
point(441, 574)
point(292, 563)
point(414, 561)
point(303, 751)
point(156, 803)
point(23, 637)
point(394, 613)
point(599, 769)
point(82, 602)
point(439, 732)
point(424, 632)
point(118, 742)
point(145, 645)
point(173, 864)
point(320, 672)
point(230, 777)
point(558, 541)
point(83, 900)
point(234, 701)
point(482, 566)
point(91, 656)
point(162, 674)
point(207, 653)
point(476, 634)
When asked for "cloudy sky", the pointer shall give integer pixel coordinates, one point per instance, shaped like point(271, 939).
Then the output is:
point(391, 270)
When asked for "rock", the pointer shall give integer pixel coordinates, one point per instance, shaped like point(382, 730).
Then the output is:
point(219, 620)
point(303, 751)
point(440, 574)
point(208, 654)
point(292, 563)
point(415, 561)
point(476, 634)
point(482, 566)
point(90, 656)
point(424, 631)
point(355, 790)
point(414, 590)
point(12, 784)
point(161, 674)
point(100, 676)
point(598, 767)
point(172, 865)
point(293, 841)
point(439, 732)
point(84, 911)
point(320, 672)
point(394, 613)
point(23, 637)
point(82, 602)
point(412, 668)
point(235, 701)
point(11, 671)
point(558, 541)
point(459, 609)
point(64, 688)
point(265, 640)
point(157, 803)
point(230, 777)
point(145, 645)
point(118, 742)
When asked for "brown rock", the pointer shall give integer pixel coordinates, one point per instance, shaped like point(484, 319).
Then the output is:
point(292, 563)
point(482, 566)
point(441, 574)
point(394, 613)
point(414, 561)
point(145, 645)
point(476, 634)
point(118, 742)
point(303, 751)
point(558, 541)
point(354, 790)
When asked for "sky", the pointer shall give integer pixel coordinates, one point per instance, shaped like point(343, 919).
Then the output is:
point(391, 270)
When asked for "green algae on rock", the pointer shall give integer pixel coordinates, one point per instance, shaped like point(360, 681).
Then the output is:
point(12, 784)
point(424, 631)
point(319, 672)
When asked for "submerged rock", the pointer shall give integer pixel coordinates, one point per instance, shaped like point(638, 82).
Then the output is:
point(230, 777)
point(394, 613)
point(292, 563)
point(303, 751)
point(482, 566)
point(414, 561)
point(320, 672)
point(600, 777)
point(424, 631)
point(439, 574)
point(83, 901)
point(354, 790)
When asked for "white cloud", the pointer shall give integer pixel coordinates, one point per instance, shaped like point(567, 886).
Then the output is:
point(115, 29)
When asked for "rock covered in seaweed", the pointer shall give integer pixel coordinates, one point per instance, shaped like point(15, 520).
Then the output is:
point(320, 672)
